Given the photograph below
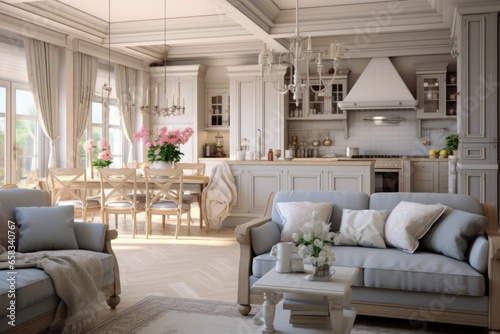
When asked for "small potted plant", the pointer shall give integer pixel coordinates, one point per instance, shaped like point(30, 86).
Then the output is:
point(451, 144)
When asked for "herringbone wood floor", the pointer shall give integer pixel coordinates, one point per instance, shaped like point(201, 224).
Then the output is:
point(203, 265)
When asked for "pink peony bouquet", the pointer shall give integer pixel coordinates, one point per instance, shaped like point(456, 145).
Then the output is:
point(165, 146)
point(104, 158)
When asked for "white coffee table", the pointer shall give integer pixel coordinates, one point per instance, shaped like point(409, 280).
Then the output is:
point(337, 290)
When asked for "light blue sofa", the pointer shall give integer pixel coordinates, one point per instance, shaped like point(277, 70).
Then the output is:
point(423, 286)
point(36, 298)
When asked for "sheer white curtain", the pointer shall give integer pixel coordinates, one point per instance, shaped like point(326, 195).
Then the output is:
point(125, 80)
point(43, 72)
point(84, 81)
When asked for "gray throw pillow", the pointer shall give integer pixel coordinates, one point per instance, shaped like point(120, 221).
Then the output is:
point(264, 237)
point(45, 228)
point(452, 232)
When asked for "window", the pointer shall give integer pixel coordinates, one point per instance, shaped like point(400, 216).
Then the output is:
point(105, 122)
point(21, 138)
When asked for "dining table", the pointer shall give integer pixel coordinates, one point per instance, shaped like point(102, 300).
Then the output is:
point(195, 183)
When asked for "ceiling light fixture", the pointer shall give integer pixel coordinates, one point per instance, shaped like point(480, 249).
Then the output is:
point(106, 88)
point(294, 57)
point(175, 108)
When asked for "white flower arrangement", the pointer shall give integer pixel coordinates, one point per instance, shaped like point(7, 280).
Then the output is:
point(315, 240)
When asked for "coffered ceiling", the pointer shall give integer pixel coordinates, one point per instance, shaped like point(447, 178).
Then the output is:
point(209, 29)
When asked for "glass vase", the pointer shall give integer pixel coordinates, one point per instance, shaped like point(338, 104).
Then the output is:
point(322, 271)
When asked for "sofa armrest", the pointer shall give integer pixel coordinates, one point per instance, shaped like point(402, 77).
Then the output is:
point(493, 235)
point(244, 238)
point(111, 235)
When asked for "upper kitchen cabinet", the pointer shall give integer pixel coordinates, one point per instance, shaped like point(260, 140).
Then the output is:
point(320, 102)
point(256, 110)
point(185, 86)
point(218, 106)
point(436, 94)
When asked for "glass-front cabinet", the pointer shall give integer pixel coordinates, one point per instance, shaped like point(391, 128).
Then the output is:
point(431, 89)
point(437, 94)
point(320, 101)
point(218, 109)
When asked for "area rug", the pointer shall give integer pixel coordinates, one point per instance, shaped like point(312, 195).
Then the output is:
point(166, 315)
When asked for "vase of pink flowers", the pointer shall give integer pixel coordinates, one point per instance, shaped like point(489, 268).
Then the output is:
point(104, 158)
point(89, 147)
point(164, 147)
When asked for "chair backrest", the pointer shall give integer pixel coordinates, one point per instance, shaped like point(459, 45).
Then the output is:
point(8, 186)
point(61, 183)
point(191, 168)
point(165, 184)
point(118, 183)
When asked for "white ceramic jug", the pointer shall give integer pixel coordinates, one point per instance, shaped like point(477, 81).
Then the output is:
point(282, 253)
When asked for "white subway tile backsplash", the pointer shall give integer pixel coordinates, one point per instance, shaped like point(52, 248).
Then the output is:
point(376, 139)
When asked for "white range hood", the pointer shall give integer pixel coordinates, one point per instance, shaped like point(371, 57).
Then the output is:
point(379, 87)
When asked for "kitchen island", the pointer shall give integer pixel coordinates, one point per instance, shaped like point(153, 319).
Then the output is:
point(256, 179)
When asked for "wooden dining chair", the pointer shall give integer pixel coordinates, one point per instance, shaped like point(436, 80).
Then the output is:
point(65, 190)
point(194, 169)
point(8, 186)
point(119, 195)
point(166, 187)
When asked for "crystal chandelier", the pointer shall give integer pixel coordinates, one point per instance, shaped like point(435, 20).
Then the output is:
point(295, 57)
point(175, 108)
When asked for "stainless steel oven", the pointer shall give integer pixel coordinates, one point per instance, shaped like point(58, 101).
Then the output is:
point(388, 172)
point(388, 175)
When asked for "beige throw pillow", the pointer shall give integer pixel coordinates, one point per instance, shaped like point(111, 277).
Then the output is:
point(409, 222)
point(296, 214)
point(363, 228)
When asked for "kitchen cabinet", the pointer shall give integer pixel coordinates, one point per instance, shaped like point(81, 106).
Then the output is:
point(429, 176)
point(319, 105)
point(478, 34)
point(256, 110)
point(218, 106)
point(436, 92)
point(256, 180)
point(187, 84)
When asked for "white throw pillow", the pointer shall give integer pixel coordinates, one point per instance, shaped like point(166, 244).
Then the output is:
point(296, 214)
point(363, 228)
point(409, 222)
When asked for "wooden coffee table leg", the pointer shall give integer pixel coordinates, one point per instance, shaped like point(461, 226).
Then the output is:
point(269, 310)
point(336, 314)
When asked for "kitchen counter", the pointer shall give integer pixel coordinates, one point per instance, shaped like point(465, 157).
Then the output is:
point(340, 161)
point(318, 161)
point(255, 180)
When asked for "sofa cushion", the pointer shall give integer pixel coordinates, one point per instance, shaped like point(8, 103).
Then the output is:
point(388, 201)
point(363, 228)
point(421, 271)
point(264, 237)
point(45, 228)
point(342, 200)
point(90, 236)
point(33, 285)
point(295, 214)
point(261, 264)
point(478, 254)
point(408, 222)
point(452, 232)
